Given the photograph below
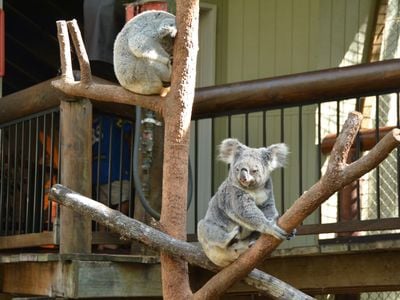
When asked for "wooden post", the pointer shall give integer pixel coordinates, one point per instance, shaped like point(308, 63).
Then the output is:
point(76, 172)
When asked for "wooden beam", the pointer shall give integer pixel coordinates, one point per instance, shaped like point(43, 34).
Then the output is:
point(28, 240)
point(366, 139)
point(80, 276)
point(328, 273)
point(303, 88)
point(76, 172)
point(349, 226)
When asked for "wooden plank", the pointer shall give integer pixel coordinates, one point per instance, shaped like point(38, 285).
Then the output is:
point(76, 172)
point(251, 48)
point(328, 273)
point(284, 46)
point(350, 226)
point(235, 41)
point(27, 240)
point(30, 278)
point(267, 38)
point(108, 279)
point(301, 36)
point(71, 278)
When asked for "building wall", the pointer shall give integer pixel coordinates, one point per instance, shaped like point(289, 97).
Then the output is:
point(267, 38)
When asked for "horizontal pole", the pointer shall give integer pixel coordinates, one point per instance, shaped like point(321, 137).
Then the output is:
point(350, 226)
point(289, 90)
point(298, 89)
point(366, 139)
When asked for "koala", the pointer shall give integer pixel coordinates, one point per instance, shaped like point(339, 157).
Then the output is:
point(244, 205)
point(143, 53)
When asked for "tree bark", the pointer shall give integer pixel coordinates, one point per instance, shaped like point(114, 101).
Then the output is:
point(177, 116)
point(132, 229)
point(338, 174)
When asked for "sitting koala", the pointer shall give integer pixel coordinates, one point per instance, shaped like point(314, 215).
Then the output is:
point(143, 53)
point(244, 205)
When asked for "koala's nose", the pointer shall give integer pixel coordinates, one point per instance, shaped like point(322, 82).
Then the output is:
point(244, 175)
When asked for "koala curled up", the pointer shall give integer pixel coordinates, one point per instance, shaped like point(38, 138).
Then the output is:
point(244, 205)
point(143, 53)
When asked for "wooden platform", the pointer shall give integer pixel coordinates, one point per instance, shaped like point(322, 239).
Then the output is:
point(80, 276)
point(338, 268)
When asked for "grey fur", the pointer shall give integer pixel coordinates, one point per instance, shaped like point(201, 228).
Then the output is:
point(143, 52)
point(244, 205)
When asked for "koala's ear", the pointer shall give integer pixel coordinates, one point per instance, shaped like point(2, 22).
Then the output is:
point(228, 149)
point(275, 155)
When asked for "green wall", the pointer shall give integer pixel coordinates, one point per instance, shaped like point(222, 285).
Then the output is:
point(266, 38)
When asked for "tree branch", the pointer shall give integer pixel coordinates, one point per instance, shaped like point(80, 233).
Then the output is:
point(133, 229)
point(86, 87)
point(338, 175)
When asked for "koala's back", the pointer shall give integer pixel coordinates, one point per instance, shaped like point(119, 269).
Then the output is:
point(142, 74)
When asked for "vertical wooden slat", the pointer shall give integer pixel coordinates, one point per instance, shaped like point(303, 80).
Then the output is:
point(76, 172)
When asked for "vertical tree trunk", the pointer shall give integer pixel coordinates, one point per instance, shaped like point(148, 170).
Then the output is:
point(177, 116)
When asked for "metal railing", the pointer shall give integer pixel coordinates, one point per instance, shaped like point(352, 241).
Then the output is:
point(305, 111)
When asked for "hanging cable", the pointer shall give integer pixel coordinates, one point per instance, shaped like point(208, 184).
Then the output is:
point(136, 178)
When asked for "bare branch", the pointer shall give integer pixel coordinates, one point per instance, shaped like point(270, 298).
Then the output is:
point(337, 176)
point(86, 87)
point(65, 50)
point(133, 229)
point(109, 93)
point(86, 74)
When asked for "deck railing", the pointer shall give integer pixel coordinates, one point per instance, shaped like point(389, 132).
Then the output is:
point(305, 111)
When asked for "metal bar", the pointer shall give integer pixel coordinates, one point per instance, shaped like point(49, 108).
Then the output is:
point(378, 194)
point(212, 156)
point(229, 126)
point(398, 153)
point(8, 179)
point(2, 193)
point(196, 168)
point(339, 194)
point(246, 128)
point(357, 155)
point(121, 151)
point(28, 184)
point(21, 179)
point(300, 154)
point(282, 119)
point(303, 88)
point(319, 155)
point(14, 206)
point(43, 179)
point(35, 174)
point(132, 191)
point(50, 210)
point(264, 130)
point(110, 154)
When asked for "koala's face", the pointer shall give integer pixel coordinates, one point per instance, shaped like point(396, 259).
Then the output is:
point(251, 167)
point(167, 27)
point(249, 170)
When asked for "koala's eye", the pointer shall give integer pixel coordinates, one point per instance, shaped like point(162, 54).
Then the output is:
point(254, 171)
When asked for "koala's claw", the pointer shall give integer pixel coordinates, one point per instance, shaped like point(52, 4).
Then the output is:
point(283, 235)
point(291, 235)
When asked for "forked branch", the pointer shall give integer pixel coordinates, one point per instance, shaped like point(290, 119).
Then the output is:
point(132, 229)
point(86, 87)
point(338, 175)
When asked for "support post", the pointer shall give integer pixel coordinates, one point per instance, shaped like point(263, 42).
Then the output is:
point(76, 172)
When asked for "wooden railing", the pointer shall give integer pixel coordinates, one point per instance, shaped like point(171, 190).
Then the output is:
point(265, 95)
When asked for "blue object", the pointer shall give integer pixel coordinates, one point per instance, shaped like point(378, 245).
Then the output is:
point(109, 134)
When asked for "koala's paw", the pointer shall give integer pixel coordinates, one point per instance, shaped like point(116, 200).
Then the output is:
point(291, 235)
point(164, 91)
point(283, 235)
